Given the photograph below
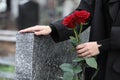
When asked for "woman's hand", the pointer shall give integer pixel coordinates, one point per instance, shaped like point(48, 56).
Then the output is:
point(88, 49)
point(38, 30)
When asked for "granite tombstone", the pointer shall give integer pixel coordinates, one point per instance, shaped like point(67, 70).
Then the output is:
point(39, 57)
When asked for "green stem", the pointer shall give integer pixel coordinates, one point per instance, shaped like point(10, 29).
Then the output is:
point(79, 34)
point(81, 27)
point(76, 35)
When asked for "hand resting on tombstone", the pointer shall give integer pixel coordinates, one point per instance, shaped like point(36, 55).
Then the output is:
point(38, 30)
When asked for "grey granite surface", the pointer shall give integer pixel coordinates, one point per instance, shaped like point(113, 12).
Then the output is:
point(39, 57)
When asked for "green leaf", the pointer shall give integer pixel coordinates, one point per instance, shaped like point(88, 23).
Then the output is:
point(68, 76)
point(78, 59)
point(66, 67)
point(72, 38)
point(91, 62)
point(77, 69)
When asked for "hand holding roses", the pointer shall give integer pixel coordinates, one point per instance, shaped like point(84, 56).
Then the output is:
point(88, 49)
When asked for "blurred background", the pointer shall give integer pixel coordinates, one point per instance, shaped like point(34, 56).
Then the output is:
point(19, 14)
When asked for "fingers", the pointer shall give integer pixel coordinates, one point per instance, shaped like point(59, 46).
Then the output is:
point(82, 50)
point(80, 46)
point(26, 30)
point(30, 29)
point(38, 30)
point(85, 54)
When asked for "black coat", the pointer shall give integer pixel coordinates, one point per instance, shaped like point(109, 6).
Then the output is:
point(104, 15)
point(28, 15)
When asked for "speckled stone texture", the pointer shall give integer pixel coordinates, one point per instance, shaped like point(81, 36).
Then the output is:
point(39, 57)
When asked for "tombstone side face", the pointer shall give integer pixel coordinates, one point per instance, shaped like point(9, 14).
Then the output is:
point(24, 55)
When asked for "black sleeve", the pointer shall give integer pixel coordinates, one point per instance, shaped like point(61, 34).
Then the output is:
point(105, 45)
point(54, 33)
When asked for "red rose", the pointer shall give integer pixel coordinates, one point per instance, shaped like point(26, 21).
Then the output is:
point(81, 16)
point(77, 17)
point(69, 21)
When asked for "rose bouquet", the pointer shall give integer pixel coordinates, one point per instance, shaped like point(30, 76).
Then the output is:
point(77, 72)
